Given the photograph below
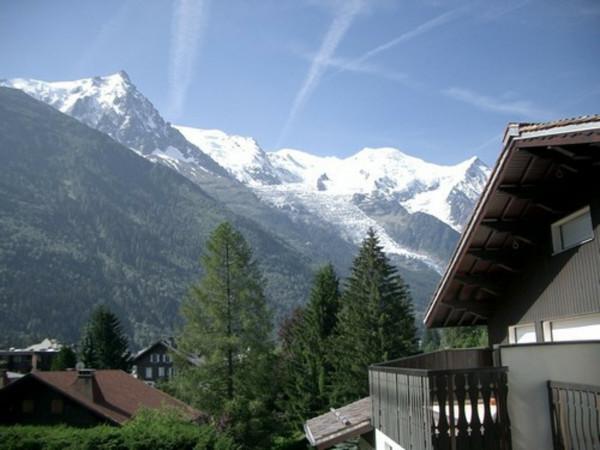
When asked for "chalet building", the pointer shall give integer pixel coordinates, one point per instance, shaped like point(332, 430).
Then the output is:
point(35, 357)
point(81, 398)
point(155, 362)
point(527, 266)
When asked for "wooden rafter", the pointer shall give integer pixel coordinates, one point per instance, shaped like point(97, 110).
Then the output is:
point(501, 257)
point(482, 282)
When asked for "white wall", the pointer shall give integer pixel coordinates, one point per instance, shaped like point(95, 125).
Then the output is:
point(530, 367)
point(381, 440)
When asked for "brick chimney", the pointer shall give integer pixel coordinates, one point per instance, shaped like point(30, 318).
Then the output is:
point(85, 383)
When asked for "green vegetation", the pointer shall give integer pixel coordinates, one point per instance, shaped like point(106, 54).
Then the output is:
point(149, 430)
point(327, 346)
point(375, 323)
point(66, 359)
point(104, 346)
point(457, 337)
point(227, 323)
point(86, 221)
point(306, 340)
point(260, 395)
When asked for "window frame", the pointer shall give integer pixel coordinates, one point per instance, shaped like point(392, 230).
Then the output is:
point(556, 230)
point(548, 326)
point(512, 333)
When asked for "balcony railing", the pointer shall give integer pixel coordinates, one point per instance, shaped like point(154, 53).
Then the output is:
point(458, 402)
point(575, 412)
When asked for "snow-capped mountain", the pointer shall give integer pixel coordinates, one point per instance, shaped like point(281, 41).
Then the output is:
point(445, 192)
point(321, 204)
point(346, 193)
point(112, 104)
point(241, 156)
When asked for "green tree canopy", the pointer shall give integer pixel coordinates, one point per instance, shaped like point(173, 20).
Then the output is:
point(305, 349)
point(376, 321)
point(104, 345)
point(227, 323)
point(464, 337)
point(65, 359)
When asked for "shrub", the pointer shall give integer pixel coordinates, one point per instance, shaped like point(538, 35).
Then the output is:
point(149, 430)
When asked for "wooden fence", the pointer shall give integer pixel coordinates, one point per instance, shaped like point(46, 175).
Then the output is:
point(575, 415)
point(456, 409)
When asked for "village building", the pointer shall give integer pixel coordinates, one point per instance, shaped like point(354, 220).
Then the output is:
point(81, 398)
point(35, 357)
point(527, 266)
point(155, 362)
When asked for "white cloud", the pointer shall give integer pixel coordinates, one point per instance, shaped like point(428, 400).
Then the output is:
point(188, 23)
point(519, 108)
point(423, 28)
point(367, 68)
point(344, 16)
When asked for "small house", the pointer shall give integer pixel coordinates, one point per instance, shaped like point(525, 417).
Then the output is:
point(81, 398)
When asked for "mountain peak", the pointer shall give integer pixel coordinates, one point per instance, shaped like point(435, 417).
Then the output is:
point(112, 104)
point(124, 75)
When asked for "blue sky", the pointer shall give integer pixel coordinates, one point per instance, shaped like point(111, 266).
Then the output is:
point(437, 79)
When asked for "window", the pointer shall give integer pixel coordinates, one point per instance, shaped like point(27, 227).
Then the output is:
point(27, 406)
point(573, 230)
point(170, 372)
point(148, 374)
point(522, 334)
point(166, 358)
point(582, 328)
point(161, 372)
point(56, 406)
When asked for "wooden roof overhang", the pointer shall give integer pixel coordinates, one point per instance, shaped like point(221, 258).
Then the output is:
point(339, 425)
point(545, 172)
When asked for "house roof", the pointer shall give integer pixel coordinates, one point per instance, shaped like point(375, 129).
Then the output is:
point(339, 425)
point(49, 345)
point(161, 343)
point(171, 347)
point(117, 395)
point(543, 172)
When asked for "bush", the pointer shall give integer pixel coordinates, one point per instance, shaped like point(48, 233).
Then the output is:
point(149, 430)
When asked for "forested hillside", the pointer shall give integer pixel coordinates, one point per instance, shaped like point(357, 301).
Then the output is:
point(84, 220)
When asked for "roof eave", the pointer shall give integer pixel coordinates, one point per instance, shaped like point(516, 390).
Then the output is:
point(515, 135)
point(510, 134)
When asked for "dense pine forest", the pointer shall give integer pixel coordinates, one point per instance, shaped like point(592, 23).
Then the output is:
point(84, 220)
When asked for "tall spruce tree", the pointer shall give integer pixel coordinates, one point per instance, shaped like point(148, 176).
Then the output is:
point(227, 323)
point(376, 321)
point(65, 359)
point(306, 349)
point(104, 345)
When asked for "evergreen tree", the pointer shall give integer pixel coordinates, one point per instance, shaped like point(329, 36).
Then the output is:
point(306, 348)
point(464, 337)
point(431, 340)
point(228, 325)
point(376, 321)
point(104, 346)
point(65, 359)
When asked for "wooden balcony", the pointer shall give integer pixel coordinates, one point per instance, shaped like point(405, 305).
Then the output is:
point(446, 400)
point(575, 412)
